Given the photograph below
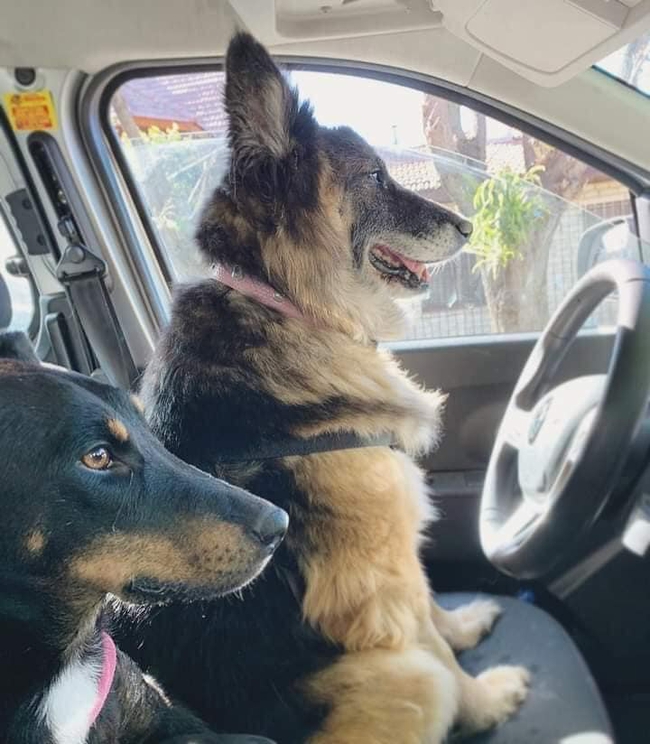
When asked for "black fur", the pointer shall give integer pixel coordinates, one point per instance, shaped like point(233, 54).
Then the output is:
point(278, 186)
point(282, 178)
point(50, 615)
point(16, 345)
point(259, 649)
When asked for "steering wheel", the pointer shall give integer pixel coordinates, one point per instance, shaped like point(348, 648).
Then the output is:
point(560, 450)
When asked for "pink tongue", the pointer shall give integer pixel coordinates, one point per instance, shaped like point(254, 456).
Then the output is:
point(417, 267)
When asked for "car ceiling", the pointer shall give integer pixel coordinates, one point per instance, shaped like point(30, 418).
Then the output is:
point(464, 42)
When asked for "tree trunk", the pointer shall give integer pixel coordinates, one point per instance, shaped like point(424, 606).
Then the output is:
point(443, 130)
point(516, 295)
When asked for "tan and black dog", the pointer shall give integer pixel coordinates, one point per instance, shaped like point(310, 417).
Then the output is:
point(92, 504)
point(341, 641)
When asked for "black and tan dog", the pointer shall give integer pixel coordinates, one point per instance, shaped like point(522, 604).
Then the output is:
point(92, 504)
point(341, 641)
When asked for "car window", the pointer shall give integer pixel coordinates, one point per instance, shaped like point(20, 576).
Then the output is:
point(630, 64)
point(541, 217)
point(16, 299)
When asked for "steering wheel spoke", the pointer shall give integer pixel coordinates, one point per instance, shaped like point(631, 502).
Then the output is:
point(508, 535)
point(519, 522)
point(561, 447)
point(515, 427)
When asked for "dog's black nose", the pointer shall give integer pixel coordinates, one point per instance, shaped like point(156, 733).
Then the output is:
point(271, 527)
point(465, 228)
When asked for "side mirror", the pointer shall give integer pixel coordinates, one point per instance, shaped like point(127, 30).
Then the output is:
point(5, 305)
point(613, 238)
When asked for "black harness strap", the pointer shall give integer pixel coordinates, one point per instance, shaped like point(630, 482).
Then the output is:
point(296, 447)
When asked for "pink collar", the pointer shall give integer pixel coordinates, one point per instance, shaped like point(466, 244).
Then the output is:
point(109, 663)
point(234, 277)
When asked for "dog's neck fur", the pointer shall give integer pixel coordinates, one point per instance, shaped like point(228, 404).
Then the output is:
point(333, 296)
point(362, 386)
point(37, 652)
point(256, 289)
point(28, 662)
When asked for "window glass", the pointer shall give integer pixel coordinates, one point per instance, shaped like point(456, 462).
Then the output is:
point(16, 299)
point(631, 64)
point(542, 218)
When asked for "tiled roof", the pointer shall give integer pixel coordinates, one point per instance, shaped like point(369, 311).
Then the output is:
point(196, 98)
point(502, 155)
point(419, 170)
point(413, 169)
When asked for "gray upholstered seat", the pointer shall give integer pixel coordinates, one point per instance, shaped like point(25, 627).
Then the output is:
point(564, 704)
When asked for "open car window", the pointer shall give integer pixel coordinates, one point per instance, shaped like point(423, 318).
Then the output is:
point(542, 217)
point(631, 64)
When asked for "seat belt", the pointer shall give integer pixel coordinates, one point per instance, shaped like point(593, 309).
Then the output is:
point(82, 274)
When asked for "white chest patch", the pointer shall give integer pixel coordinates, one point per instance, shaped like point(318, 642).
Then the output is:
point(68, 704)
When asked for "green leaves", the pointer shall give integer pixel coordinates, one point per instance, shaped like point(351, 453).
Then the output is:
point(507, 207)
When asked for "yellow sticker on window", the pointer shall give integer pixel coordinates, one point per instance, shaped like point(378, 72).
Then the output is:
point(31, 111)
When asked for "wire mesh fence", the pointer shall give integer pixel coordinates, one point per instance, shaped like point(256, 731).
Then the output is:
point(456, 306)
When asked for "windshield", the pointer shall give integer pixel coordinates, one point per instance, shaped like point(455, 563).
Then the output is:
point(630, 64)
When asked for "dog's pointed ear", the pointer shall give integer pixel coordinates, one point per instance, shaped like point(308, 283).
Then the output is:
point(16, 345)
point(261, 106)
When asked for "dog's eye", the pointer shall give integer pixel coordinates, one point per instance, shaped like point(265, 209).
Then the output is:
point(378, 177)
point(98, 459)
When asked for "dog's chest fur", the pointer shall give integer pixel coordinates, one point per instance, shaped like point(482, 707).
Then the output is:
point(67, 706)
point(228, 374)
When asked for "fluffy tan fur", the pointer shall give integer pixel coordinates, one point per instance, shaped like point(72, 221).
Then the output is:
point(365, 587)
point(385, 697)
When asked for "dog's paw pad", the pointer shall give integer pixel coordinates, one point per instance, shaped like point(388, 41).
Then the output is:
point(472, 622)
point(505, 689)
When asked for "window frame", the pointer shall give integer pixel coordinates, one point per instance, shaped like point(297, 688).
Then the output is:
point(619, 81)
point(106, 153)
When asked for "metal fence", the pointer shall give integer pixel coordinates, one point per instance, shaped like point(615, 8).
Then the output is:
point(456, 305)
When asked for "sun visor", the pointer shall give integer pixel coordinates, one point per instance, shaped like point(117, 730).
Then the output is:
point(547, 42)
point(278, 21)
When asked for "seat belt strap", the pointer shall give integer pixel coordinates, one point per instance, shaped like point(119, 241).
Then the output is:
point(82, 274)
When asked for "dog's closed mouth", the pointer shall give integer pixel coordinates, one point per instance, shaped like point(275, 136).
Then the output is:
point(394, 266)
point(151, 592)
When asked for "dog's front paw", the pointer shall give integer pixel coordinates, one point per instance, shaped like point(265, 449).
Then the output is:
point(467, 625)
point(504, 689)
